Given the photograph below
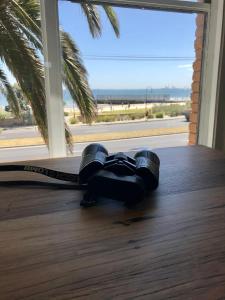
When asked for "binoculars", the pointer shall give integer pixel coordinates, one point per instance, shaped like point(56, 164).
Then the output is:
point(117, 176)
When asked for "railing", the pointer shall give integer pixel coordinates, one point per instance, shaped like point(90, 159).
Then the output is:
point(136, 99)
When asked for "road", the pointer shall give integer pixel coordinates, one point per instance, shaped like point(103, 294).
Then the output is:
point(135, 144)
point(30, 132)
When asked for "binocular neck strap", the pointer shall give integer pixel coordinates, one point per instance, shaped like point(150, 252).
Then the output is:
point(43, 171)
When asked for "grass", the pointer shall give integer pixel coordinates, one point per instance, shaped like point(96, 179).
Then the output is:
point(171, 110)
point(4, 114)
point(107, 118)
point(119, 117)
point(166, 109)
point(150, 116)
point(73, 120)
point(158, 111)
point(97, 137)
point(124, 112)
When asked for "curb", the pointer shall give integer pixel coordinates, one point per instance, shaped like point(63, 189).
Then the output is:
point(97, 137)
point(129, 121)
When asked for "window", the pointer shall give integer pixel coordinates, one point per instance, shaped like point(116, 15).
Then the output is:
point(202, 128)
point(141, 80)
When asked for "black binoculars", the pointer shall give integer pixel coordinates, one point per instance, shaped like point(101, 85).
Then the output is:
point(118, 176)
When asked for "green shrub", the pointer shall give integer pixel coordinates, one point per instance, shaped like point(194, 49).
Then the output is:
point(106, 118)
point(123, 117)
point(140, 115)
point(158, 111)
point(171, 110)
point(66, 114)
point(73, 121)
point(124, 112)
point(159, 115)
point(150, 116)
point(120, 117)
point(2, 115)
point(174, 114)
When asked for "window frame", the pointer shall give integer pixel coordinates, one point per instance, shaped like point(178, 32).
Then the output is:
point(210, 68)
point(210, 75)
point(166, 5)
point(53, 78)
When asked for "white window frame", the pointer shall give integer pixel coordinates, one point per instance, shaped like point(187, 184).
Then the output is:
point(53, 78)
point(210, 75)
point(214, 14)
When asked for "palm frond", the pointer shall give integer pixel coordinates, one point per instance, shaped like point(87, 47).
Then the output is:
point(93, 18)
point(26, 67)
point(30, 36)
point(32, 8)
point(75, 78)
point(9, 93)
point(27, 13)
point(112, 18)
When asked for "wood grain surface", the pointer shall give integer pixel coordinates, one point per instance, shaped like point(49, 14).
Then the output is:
point(172, 246)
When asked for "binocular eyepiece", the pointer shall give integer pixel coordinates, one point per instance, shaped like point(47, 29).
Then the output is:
point(144, 166)
point(93, 159)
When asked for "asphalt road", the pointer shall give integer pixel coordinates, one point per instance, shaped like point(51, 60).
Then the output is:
point(135, 144)
point(29, 132)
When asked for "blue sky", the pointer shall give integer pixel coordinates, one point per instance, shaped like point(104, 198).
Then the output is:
point(143, 33)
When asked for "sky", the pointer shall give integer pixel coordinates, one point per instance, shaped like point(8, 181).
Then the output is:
point(143, 33)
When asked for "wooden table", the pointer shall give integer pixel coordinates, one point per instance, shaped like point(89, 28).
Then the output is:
point(170, 247)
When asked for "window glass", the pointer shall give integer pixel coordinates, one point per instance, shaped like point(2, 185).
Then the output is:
point(22, 95)
point(141, 79)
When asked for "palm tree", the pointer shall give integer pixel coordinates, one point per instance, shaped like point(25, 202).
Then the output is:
point(20, 48)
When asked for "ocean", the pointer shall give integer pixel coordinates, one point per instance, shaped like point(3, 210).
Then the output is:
point(173, 93)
